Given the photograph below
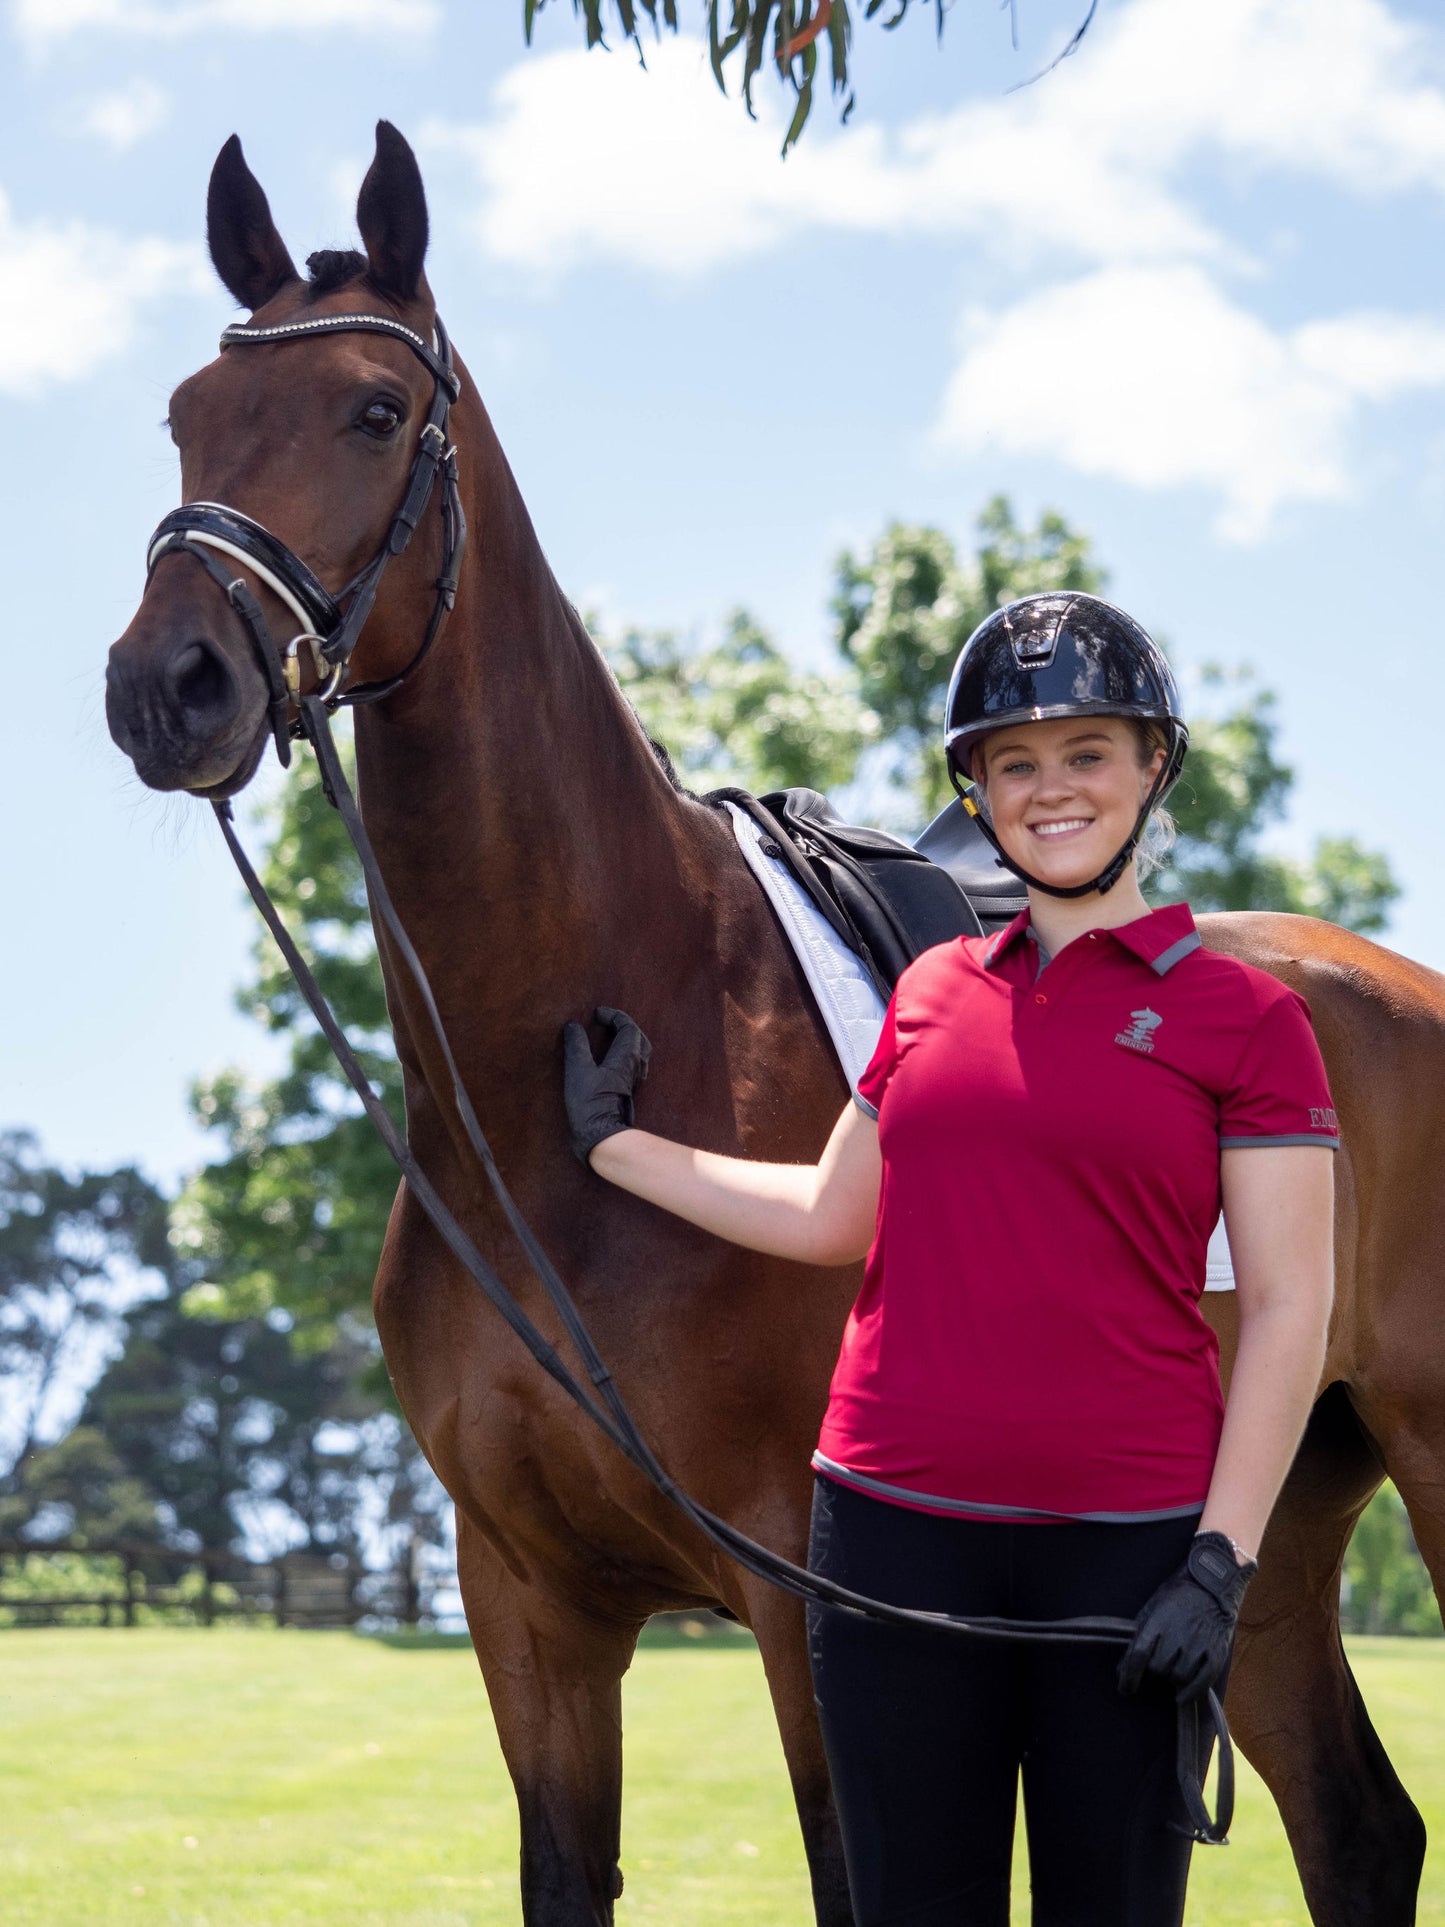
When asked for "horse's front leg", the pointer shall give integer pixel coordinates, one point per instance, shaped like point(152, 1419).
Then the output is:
point(554, 1678)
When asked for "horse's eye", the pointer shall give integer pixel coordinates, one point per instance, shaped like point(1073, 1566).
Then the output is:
point(381, 419)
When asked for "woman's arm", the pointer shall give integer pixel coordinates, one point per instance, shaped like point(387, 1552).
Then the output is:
point(820, 1214)
point(1278, 1211)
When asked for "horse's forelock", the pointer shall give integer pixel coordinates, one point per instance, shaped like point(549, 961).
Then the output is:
point(331, 268)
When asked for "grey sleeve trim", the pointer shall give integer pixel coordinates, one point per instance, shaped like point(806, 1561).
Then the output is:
point(1176, 953)
point(864, 1106)
point(1247, 1143)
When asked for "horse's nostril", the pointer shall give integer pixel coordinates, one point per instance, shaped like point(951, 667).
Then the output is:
point(201, 680)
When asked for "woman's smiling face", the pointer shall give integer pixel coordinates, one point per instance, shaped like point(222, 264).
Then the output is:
point(1064, 795)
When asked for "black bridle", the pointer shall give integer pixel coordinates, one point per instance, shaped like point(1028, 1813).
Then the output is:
point(330, 625)
point(207, 529)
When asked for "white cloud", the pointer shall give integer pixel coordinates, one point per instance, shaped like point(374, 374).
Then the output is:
point(122, 118)
point(1153, 376)
point(84, 288)
point(41, 23)
point(1144, 369)
point(588, 156)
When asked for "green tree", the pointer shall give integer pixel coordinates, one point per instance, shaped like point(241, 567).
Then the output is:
point(1233, 787)
point(1386, 1587)
point(69, 1246)
point(195, 1432)
point(740, 713)
point(294, 1210)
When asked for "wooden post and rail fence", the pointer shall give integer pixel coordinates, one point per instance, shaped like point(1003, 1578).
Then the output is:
point(125, 1582)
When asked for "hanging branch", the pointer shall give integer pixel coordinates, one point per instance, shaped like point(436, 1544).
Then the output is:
point(790, 31)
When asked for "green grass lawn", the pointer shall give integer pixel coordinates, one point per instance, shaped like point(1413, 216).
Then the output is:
point(266, 1779)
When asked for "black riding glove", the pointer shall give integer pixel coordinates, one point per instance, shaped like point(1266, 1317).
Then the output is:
point(1185, 1633)
point(599, 1096)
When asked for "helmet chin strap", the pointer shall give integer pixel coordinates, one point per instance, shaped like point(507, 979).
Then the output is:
point(1107, 877)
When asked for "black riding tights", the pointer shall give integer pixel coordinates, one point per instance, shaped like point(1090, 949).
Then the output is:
point(927, 1732)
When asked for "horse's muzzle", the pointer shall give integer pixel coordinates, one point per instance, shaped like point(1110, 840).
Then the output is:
point(179, 711)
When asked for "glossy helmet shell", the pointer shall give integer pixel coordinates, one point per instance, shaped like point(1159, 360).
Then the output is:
point(1059, 654)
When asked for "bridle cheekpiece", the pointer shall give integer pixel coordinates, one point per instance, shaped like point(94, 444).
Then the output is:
point(329, 625)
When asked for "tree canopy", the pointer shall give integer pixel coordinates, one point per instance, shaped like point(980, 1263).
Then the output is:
point(789, 35)
point(198, 1433)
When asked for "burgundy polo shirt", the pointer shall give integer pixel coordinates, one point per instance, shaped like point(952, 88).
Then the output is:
point(1028, 1341)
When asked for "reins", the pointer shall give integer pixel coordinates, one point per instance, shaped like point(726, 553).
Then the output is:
point(207, 530)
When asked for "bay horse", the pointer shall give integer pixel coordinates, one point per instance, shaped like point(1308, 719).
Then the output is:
point(544, 860)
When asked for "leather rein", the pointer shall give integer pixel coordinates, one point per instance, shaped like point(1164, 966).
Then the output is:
point(330, 627)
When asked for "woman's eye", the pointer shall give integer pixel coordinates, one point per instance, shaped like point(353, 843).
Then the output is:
point(381, 419)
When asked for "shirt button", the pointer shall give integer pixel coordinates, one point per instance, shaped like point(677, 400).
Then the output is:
point(1039, 997)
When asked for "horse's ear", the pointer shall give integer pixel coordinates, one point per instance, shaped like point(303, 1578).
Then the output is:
point(248, 253)
point(391, 213)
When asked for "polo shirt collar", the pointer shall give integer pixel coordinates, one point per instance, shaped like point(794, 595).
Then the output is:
point(1160, 939)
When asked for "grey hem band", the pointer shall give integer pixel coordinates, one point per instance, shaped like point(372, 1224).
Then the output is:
point(907, 1497)
point(864, 1106)
point(1248, 1143)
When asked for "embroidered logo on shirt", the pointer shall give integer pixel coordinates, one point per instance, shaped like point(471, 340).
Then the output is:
point(1140, 1034)
point(1323, 1118)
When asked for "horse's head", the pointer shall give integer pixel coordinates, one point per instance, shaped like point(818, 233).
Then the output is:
point(312, 436)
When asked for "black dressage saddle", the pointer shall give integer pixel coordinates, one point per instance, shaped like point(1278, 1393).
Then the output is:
point(888, 900)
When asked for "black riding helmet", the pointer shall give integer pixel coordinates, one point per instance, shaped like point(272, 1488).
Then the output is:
point(1060, 654)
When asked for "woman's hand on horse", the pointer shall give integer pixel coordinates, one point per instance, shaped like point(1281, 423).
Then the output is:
point(819, 1214)
point(1185, 1634)
point(599, 1097)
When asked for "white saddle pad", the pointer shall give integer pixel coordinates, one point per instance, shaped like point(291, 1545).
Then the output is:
point(851, 1007)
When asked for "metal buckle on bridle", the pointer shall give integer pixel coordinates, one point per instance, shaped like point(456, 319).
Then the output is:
point(329, 675)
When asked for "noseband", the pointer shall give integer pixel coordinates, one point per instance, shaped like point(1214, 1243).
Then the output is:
point(329, 625)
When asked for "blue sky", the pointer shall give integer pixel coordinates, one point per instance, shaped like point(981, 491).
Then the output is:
point(1188, 290)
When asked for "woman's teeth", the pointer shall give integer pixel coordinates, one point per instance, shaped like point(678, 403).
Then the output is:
point(1059, 829)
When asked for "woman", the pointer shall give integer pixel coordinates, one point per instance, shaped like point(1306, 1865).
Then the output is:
point(1026, 1416)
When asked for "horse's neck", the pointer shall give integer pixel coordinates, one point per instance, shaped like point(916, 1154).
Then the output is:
point(523, 822)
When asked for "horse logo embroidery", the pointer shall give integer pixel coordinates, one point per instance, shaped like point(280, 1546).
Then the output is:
point(1140, 1034)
